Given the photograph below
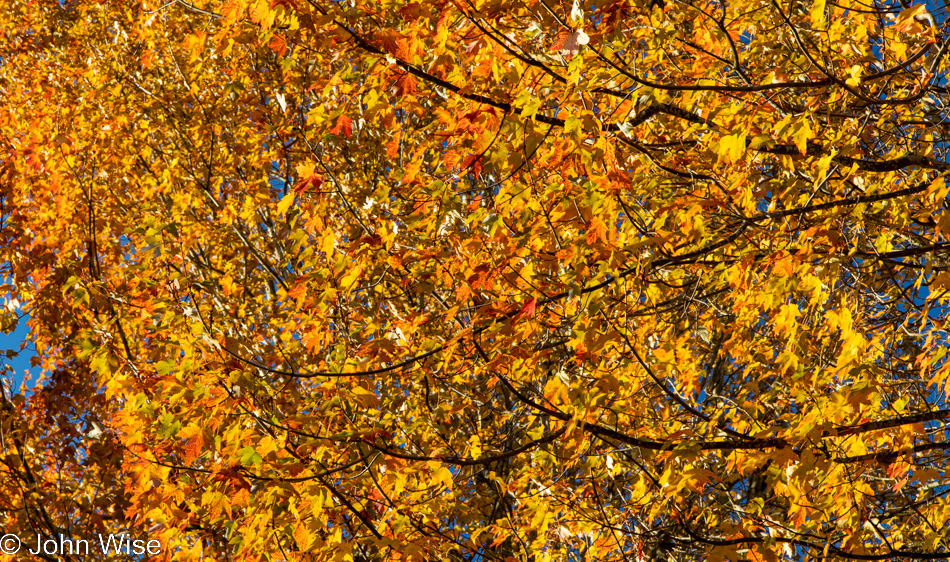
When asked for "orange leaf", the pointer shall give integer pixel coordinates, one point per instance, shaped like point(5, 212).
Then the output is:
point(405, 85)
point(559, 42)
point(596, 230)
point(472, 161)
point(278, 44)
point(297, 291)
point(344, 126)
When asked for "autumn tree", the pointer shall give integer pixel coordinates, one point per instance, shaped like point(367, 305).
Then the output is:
point(481, 280)
point(60, 474)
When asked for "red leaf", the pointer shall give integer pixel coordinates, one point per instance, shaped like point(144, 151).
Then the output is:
point(377, 433)
point(528, 310)
point(233, 477)
point(374, 240)
point(344, 127)
point(305, 184)
point(472, 161)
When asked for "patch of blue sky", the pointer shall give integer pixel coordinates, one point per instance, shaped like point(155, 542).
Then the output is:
point(16, 350)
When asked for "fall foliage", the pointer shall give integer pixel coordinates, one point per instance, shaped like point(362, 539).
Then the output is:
point(613, 280)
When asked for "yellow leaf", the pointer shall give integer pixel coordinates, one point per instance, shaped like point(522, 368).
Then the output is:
point(912, 12)
point(285, 203)
point(786, 320)
point(911, 20)
point(572, 125)
point(802, 136)
point(329, 242)
point(443, 476)
point(882, 244)
point(350, 278)
point(938, 188)
point(306, 169)
point(731, 147)
point(475, 447)
point(267, 445)
point(854, 76)
point(817, 13)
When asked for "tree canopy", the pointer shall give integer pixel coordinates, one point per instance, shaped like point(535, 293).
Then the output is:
point(487, 280)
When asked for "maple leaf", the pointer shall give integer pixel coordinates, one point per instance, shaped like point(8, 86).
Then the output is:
point(297, 291)
point(559, 42)
point(344, 126)
point(193, 448)
point(392, 148)
point(527, 310)
point(310, 182)
point(404, 85)
point(232, 9)
point(372, 240)
point(278, 44)
point(393, 42)
point(731, 147)
point(596, 230)
point(195, 43)
point(259, 11)
point(411, 11)
point(308, 179)
point(473, 162)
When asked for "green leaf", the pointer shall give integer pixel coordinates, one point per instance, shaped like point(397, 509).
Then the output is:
point(249, 456)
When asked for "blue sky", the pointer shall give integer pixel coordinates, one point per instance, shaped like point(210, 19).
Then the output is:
point(21, 362)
